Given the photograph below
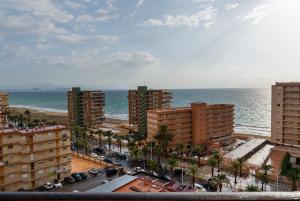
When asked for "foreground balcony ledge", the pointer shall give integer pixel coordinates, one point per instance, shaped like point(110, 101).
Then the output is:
point(25, 196)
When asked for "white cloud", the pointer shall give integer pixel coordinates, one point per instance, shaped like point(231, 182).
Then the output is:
point(140, 3)
point(76, 38)
point(205, 17)
point(257, 15)
point(41, 9)
point(231, 6)
point(73, 5)
point(204, 0)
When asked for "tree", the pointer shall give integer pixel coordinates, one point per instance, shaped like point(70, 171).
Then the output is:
point(235, 165)
point(164, 138)
point(118, 138)
point(241, 163)
point(293, 175)
point(261, 177)
point(152, 165)
point(216, 154)
point(252, 188)
point(172, 162)
point(193, 169)
point(158, 151)
point(27, 114)
point(20, 120)
point(99, 133)
point(212, 162)
point(109, 134)
point(221, 179)
point(181, 149)
point(198, 150)
point(136, 153)
point(266, 168)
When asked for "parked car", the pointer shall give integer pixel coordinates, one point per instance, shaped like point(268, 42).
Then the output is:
point(111, 171)
point(103, 182)
point(69, 180)
point(153, 173)
point(99, 150)
point(101, 158)
point(93, 171)
point(76, 176)
point(138, 169)
point(200, 187)
point(108, 160)
point(166, 177)
point(129, 173)
point(94, 155)
point(40, 189)
point(48, 186)
point(57, 183)
point(83, 175)
point(118, 163)
point(123, 156)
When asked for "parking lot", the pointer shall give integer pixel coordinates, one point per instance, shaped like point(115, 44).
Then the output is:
point(82, 165)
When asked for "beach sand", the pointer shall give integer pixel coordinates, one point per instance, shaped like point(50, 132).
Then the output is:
point(61, 117)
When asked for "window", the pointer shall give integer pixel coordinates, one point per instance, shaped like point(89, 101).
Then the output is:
point(10, 146)
point(24, 176)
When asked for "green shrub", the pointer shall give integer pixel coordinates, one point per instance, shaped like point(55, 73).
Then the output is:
point(285, 165)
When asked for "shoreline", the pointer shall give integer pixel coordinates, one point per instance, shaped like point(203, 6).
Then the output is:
point(60, 117)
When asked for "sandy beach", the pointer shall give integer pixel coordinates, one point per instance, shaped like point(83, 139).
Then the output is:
point(61, 117)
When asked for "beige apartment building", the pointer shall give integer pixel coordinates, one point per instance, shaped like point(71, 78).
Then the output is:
point(142, 100)
point(286, 114)
point(86, 108)
point(31, 157)
point(3, 109)
point(193, 125)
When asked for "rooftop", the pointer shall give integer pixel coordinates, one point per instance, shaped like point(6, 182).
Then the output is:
point(32, 130)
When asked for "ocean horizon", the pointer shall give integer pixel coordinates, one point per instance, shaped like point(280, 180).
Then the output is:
point(252, 106)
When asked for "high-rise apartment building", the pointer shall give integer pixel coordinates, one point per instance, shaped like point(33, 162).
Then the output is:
point(86, 108)
point(194, 125)
point(286, 113)
point(3, 109)
point(31, 157)
point(143, 99)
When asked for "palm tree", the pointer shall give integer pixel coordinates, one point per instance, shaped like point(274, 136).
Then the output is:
point(198, 149)
point(266, 168)
point(212, 162)
point(252, 188)
point(158, 151)
point(216, 154)
point(262, 177)
point(118, 138)
point(152, 164)
point(20, 120)
point(221, 179)
point(235, 165)
point(193, 169)
point(164, 138)
point(294, 175)
point(109, 135)
point(27, 114)
point(99, 133)
point(172, 162)
point(241, 163)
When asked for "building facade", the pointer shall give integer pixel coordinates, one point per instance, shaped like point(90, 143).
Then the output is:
point(86, 108)
point(286, 114)
point(142, 100)
point(30, 158)
point(3, 109)
point(194, 125)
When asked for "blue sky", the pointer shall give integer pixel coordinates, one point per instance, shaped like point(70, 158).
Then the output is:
point(113, 44)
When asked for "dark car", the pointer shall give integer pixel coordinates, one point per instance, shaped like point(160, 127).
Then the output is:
point(99, 150)
point(111, 171)
point(123, 156)
point(69, 180)
point(40, 189)
point(178, 171)
point(76, 176)
point(166, 177)
point(83, 175)
point(108, 160)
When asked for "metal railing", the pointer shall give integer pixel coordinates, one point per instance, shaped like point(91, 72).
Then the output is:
point(149, 196)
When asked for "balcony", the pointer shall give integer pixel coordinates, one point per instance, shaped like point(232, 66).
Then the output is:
point(150, 196)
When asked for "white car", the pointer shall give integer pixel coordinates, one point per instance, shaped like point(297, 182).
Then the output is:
point(48, 186)
point(94, 155)
point(57, 183)
point(101, 158)
point(129, 173)
point(200, 188)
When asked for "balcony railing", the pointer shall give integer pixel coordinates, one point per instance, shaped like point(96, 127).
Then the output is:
point(150, 196)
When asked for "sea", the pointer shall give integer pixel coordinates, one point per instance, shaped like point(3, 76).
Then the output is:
point(252, 106)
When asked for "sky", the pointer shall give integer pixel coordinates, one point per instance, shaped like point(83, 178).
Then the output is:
point(119, 44)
